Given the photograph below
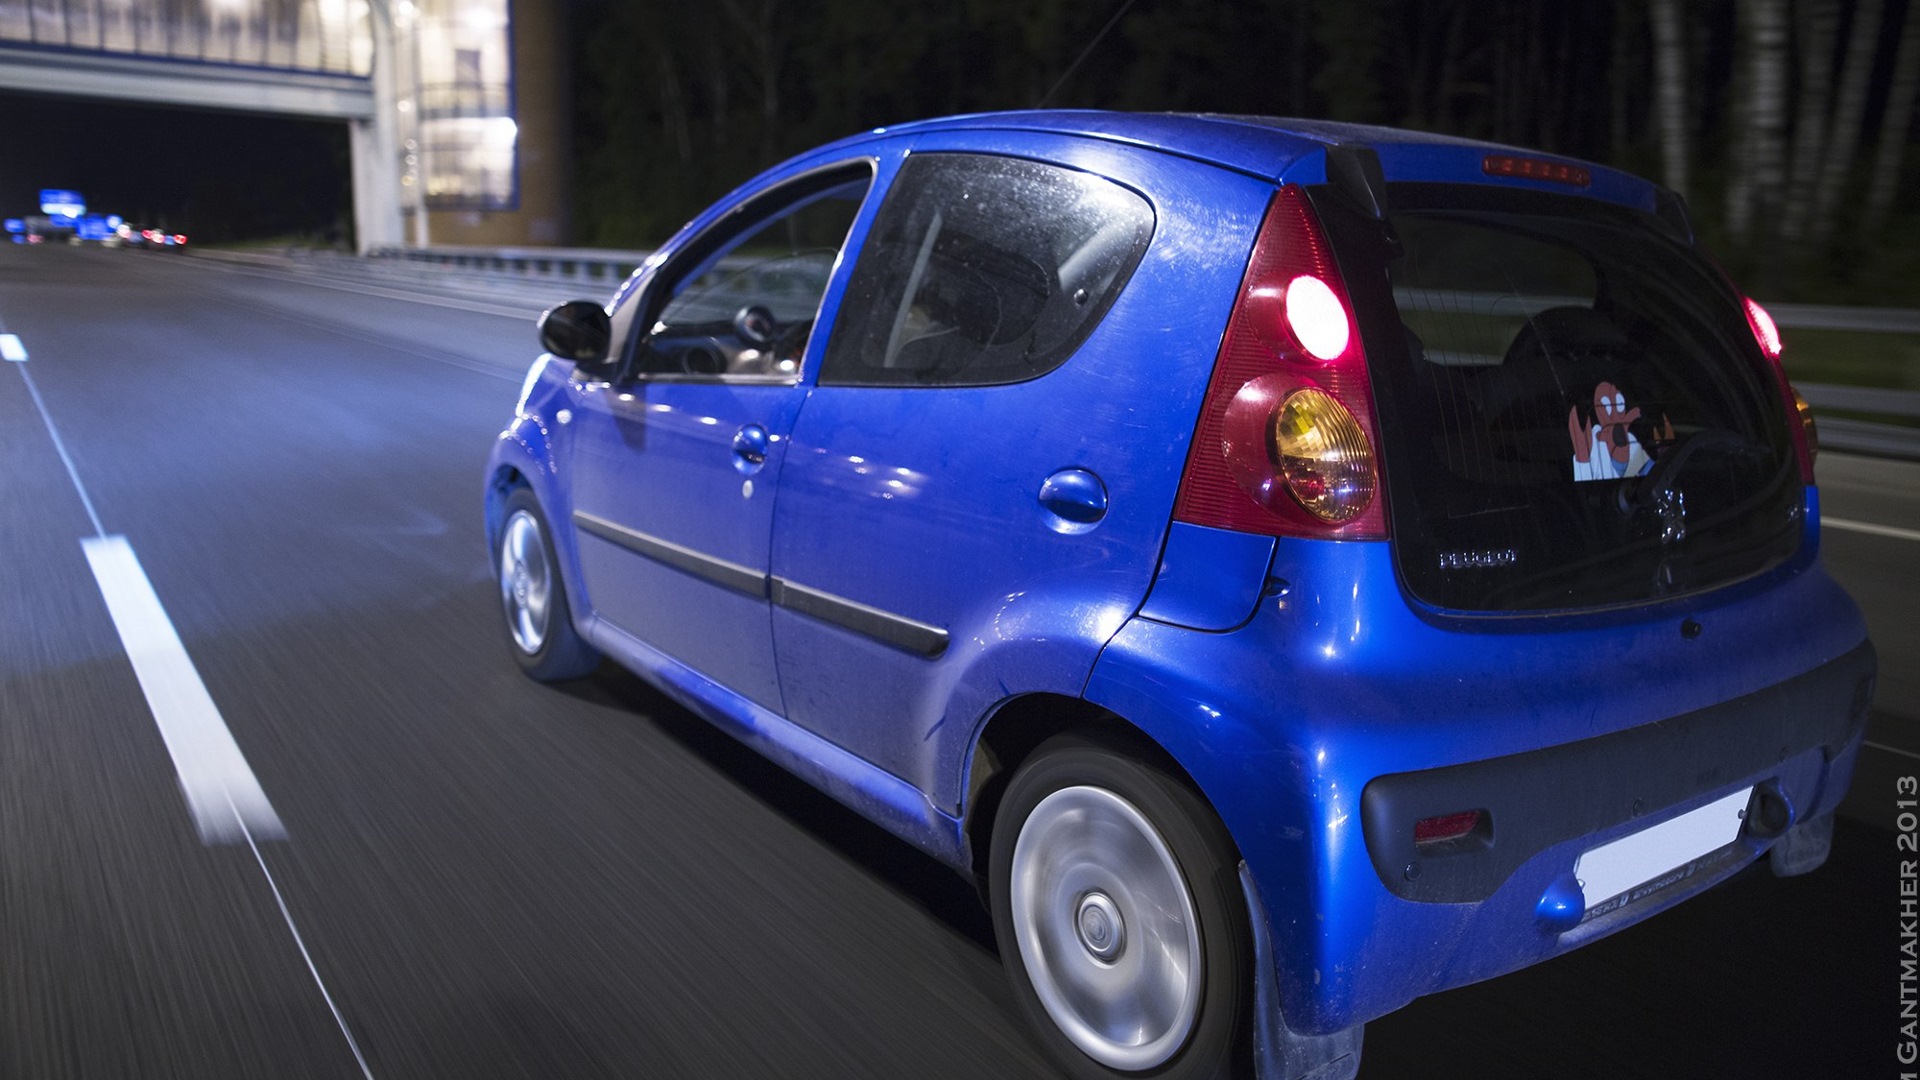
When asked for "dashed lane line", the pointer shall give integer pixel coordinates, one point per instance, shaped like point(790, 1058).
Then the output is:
point(221, 790)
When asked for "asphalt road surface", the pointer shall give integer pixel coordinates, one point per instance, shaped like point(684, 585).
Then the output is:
point(454, 872)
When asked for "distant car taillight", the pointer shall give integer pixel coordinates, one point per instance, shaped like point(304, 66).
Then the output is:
point(1806, 437)
point(1286, 440)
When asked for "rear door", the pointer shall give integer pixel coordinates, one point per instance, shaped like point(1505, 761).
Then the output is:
point(978, 487)
point(1574, 410)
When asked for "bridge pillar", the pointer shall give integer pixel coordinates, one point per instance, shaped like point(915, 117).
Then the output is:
point(374, 141)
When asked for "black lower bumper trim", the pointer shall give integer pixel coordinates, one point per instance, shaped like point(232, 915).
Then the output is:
point(1543, 797)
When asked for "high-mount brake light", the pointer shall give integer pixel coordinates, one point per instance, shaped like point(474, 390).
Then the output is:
point(1806, 436)
point(1286, 443)
point(1558, 172)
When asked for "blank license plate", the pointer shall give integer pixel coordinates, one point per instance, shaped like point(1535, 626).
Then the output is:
point(1670, 847)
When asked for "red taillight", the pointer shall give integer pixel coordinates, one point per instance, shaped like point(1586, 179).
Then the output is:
point(1286, 443)
point(1558, 172)
point(1764, 330)
point(1806, 440)
point(1317, 318)
point(1445, 827)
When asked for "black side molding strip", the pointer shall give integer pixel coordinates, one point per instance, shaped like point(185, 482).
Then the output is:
point(733, 576)
point(896, 630)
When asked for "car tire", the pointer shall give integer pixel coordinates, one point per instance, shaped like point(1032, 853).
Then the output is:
point(1117, 905)
point(533, 597)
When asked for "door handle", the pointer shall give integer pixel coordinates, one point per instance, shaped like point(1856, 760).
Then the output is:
point(750, 449)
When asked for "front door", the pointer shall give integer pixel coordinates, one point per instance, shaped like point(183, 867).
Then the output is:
point(674, 463)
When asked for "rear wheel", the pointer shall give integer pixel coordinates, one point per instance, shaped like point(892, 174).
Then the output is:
point(539, 624)
point(1117, 906)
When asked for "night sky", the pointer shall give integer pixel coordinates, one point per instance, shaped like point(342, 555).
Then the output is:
point(214, 176)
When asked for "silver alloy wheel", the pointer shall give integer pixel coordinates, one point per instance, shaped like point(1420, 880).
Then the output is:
point(526, 581)
point(1106, 928)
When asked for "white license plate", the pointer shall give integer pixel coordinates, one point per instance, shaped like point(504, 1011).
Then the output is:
point(1614, 868)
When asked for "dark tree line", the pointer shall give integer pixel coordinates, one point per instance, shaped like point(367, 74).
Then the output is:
point(1786, 123)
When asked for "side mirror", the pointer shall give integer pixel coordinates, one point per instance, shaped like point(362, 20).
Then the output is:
point(577, 330)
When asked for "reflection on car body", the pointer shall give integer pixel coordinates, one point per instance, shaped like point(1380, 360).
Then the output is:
point(1299, 567)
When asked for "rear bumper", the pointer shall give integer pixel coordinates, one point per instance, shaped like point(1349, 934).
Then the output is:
point(1337, 717)
point(1621, 782)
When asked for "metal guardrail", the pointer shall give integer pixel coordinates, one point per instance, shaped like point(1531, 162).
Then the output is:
point(566, 264)
point(1865, 436)
point(605, 267)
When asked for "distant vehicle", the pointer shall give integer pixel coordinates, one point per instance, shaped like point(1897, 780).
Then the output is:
point(138, 236)
point(41, 228)
point(1298, 566)
point(100, 229)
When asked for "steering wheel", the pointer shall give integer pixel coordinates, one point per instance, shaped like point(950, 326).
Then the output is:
point(756, 325)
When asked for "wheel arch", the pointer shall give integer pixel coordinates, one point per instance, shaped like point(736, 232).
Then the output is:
point(1018, 728)
point(502, 481)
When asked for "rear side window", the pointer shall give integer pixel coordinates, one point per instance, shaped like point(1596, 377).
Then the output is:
point(983, 270)
point(1573, 408)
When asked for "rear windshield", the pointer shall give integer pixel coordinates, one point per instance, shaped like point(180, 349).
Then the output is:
point(1574, 412)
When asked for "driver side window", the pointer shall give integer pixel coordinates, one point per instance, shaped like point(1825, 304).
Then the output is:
point(741, 301)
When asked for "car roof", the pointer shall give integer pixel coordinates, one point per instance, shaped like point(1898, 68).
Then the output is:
point(1268, 147)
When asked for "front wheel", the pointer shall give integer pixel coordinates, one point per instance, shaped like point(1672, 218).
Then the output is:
point(1120, 918)
point(533, 599)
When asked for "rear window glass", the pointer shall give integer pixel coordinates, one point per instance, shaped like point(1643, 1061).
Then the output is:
point(1574, 411)
point(982, 270)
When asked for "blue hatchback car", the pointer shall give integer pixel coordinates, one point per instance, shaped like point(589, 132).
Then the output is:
point(1296, 567)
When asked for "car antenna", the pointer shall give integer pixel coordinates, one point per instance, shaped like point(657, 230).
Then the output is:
point(1075, 66)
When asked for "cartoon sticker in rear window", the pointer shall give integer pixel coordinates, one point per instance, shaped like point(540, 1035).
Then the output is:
point(1604, 446)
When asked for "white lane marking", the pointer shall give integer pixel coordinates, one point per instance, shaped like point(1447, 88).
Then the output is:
point(60, 446)
point(1871, 529)
point(166, 673)
point(224, 796)
point(11, 349)
point(1890, 749)
point(301, 942)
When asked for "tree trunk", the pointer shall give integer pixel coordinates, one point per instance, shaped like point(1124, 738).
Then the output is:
point(1863, 41)
point(1670, 90)
point(1625, 57)
point(673, 105)
point(1819, 23)
point(1894, 125)
point(1759, 169)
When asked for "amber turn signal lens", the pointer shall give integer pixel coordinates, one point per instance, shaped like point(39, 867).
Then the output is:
point(1323, 456)
point(1805, 412)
